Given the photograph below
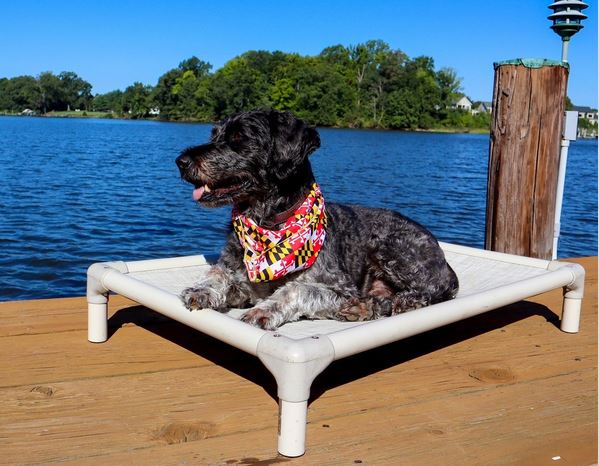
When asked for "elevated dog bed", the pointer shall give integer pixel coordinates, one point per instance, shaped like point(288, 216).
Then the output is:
point(297, 352)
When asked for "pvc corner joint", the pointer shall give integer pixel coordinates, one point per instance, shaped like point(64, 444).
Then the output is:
point(97, 293)
point(295, 363)
point(575, 289)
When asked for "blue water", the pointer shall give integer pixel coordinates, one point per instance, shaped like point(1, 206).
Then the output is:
point(74, 192)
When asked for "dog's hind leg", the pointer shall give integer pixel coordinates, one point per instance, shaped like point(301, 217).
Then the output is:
point(416, 278)
point(372, 307)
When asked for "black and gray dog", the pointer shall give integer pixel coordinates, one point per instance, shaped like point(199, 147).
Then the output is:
point(373, 262)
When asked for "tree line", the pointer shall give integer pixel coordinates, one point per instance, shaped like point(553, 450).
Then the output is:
point(364, 85)
point(45, 93)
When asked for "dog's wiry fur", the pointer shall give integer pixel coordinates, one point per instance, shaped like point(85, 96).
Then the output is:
point(374, 262)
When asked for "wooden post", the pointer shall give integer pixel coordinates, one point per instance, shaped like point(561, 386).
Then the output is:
point(528, 112)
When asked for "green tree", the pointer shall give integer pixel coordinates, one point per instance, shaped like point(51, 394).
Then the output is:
point(76, 92)
point(267, 64)
point(465, 119)
point(237, 86)
point(5, 101)
point(568, 103)
point(450, 86)
point(51, 92)
point(192, 96)
point(370, 69)
point(379, 83)
point(110, 102)
point(20, 93)
point(205, 107)
point(365, 62)
point(185, 88)
point(136, 100)
point(368, 84)
point(414, 99)
point(198, 67)
point(183, 91)
point(322, 92)
point(162, 96)
point(191, 90)
point(337, 55)
point(283, 95)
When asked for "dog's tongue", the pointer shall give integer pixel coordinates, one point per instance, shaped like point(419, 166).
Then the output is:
point(197, 193)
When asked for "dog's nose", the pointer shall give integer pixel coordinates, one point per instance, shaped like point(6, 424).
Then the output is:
point(184, 162)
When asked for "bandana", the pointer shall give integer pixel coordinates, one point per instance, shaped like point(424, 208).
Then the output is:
point(272, 254)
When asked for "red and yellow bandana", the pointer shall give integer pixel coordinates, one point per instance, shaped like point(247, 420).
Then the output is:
point(271, 254)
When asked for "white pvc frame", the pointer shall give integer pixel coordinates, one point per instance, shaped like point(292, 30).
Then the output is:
point(296, 362)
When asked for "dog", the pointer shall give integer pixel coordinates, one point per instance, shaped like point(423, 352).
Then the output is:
point(288, 255)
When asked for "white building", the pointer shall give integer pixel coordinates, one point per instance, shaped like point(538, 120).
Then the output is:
point(463, 103)
point(482, 107)
point(587, 113)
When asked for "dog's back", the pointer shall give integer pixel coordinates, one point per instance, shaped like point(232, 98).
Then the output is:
point(395, 253)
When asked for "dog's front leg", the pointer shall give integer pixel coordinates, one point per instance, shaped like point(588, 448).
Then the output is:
point(298, 299)
point(220, 290)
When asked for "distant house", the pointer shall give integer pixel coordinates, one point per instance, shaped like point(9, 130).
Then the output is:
point(587, 122)
point(27, 112)
point(154, 111)
point(587, 113)
point(482, 107)
point(463, 103)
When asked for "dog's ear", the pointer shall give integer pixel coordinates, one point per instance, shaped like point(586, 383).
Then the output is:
point(292, 142)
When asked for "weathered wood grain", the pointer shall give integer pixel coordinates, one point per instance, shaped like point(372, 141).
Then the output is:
point(524, 154)
point(503, 388)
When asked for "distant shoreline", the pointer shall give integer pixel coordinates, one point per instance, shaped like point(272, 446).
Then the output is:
point(111, 116)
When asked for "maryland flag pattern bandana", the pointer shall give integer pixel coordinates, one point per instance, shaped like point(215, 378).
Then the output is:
point(272, 254)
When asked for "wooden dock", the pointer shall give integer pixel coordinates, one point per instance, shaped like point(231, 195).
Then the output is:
point(504, 388)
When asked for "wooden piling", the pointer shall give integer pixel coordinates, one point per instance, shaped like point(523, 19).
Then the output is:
point(528, 109)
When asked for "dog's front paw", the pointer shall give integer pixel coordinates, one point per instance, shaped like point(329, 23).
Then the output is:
point(263, 318)
point(201, 297)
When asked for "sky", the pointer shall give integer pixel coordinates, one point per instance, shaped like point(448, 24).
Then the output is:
point(112, 44)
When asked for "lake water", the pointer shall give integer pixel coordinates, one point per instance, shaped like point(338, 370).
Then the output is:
point(74, 192)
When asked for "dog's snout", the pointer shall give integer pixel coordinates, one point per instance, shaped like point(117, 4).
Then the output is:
point(184, 162)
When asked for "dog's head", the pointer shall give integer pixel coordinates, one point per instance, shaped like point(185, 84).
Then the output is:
point(249, 155)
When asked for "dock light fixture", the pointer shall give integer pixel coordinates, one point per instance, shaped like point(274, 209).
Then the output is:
point(567, 19)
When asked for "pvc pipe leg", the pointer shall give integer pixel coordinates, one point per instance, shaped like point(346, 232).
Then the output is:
point(292, 427)
point(571, 315)
point(97, 322)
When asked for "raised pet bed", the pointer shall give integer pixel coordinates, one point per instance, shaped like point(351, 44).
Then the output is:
point(297, 352)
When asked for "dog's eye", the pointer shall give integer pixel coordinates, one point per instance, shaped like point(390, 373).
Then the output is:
point(235, 139)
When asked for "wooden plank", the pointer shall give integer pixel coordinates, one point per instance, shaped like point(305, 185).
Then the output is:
point(93, 417)
point(506, 387)
point(474, 430)
point(175, 346)
point(114, 418)
point(58, 315)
